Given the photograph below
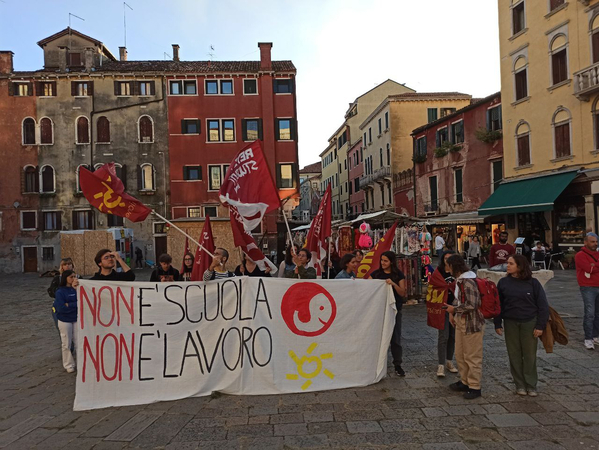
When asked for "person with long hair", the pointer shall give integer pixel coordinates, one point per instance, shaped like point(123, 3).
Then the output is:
point(302, 270)
point(469, 323)
point(524, 316)
point(443, 282)
point(348, 266)
point(287, 265)
point(389, 270)
point(65, 264)
point(65, 304)
point(250, 268)
point(187, 267)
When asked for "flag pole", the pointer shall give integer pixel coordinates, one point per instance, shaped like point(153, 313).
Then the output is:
point(288, 231)
point(182, 232)
point(329, 259)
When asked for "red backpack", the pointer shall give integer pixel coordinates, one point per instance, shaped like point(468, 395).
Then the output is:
point(489, 298)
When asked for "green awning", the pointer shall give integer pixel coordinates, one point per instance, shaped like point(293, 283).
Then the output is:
point(531, 195)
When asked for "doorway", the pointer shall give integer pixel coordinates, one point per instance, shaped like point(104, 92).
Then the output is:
point(159, 247)
point(29, 259)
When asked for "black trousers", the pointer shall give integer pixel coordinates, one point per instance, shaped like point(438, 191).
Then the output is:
point(396, 348)
point(475, 262)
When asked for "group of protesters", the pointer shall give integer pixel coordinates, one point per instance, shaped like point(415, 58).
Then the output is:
point(524, 308)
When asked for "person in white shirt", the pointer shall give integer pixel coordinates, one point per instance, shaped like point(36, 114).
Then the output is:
point(439, 244)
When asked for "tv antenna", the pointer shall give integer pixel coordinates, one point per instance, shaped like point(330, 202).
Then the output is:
point(125, 6)
point(211, 53)
point(166, 55)
point(80, 18)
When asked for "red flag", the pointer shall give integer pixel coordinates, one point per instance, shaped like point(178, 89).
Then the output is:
point(372, 259)
point(106, 192)
point(249, 192)
point(185, 252)
point(436, 297)
point(202, 260)
point(320, 229)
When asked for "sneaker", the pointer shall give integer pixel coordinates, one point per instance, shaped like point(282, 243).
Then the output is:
point(71, 370)
point(441, 370)
point(521, 391)
point(532, 392)
point(588, 343)
point(399, 371)
point(596, 340)
point(449, 365)
point(471, 394)
point(458, 387)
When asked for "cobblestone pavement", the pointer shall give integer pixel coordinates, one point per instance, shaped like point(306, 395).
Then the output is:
point(415, 412)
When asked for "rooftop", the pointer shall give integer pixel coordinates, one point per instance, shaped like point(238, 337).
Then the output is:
point(312, 168)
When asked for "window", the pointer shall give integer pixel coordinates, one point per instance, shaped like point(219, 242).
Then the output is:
point(103, 130)
point(554, 4)
point(20, 89)
point(369, 136)
point(421, 147)
point(213, 130)
point(78, 176)
point(146, 88)
point(46, 135)
point(523, 144)
point(52, 221)
point(182, 87)
point(441, 136)
point(48, 182)
point(447, 111)
point(121, 173)
point(432, 114)
point(518, 22)
point(31, 184)
point(380, 123)
point(251, 129)
point(381, 157)
point(388, 155)
point(356, 185)
point(497, 173)
point(285, 178)
point(82, 88)
point(283, 86)
point(382, 195)
point(194, 212)
point(521, 79)
point(28, 220)
point(190, 126)
point(222, 130)
point(114, 221)
point(217, 174)
point(494, 120)
point(387, 120)
point(228, 130)
point(459, 197)
point(82, 130)
point(250, 86)
point(457, 132)
point(389, 194)
point(559, 59)
point(342, 140)
point(192, 173)
point(433, 193)
point(210, 211)
point(216, 87)
point(46, 89)
point(146, 178)
point(146, 129)
point(74, 59)
point(82, 220)
point(226, 87)
point(29, 131)
point(595, 39)
point(283, 130)
point(122, 88)
point(48, 253)
point(211, 87)
point(561, 132)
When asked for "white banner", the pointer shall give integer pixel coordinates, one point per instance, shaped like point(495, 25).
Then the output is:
point(145, 342)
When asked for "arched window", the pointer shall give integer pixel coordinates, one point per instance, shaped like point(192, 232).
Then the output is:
point(103, 130)
point(48, 182)
point(146, 129)
point(521, 78)
point(146, 178)
point(28, 131)
point(523, 144)
point(121, 173)
point(595, 38)
point(31, 182)
point(559, 58)
point(46, 133)
point(82, 136)
point(78, 179)
point(561, 133)
point(595, 112)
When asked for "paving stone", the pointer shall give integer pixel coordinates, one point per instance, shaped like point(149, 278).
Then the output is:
point(512, 420)
point(238, 431)
point(162, 431)
point(262, 443)
point(258, 419)
point(287, 418)
point(445, 446)
point(16, 432)
point(434, 412)
point(364, 427)
point(134, 426)
point(457, 410)
point(311, 441)
point(587, 418)
point(327, 427)
point(290, 429)
point(401, 425)
point(535, 445)
point(579, 443)
point(321, 416)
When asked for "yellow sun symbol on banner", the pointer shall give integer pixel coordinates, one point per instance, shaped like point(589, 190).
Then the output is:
point(310, 360)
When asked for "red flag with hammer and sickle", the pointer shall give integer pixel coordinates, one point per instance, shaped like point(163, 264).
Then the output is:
point(106, 192)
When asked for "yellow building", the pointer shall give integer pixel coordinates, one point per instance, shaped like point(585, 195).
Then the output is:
point(550, 90)
point(388, 144)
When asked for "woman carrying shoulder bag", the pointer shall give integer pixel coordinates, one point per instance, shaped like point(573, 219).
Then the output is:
point(524, 313)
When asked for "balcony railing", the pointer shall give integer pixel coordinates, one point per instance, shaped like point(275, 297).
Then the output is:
point(366, 181)
point(586, 82)
point(381, 174)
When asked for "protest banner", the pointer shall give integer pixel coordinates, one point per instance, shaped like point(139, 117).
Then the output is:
point(144, 342)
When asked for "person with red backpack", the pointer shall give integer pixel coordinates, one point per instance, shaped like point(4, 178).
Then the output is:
point(467, 318)
point(524, 315)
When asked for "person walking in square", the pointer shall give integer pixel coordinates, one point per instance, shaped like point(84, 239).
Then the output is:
point(587, 275)
point(524, 315)
point(65, 305)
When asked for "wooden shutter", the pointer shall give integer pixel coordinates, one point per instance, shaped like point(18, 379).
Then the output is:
point(260, 129)
point(54, 87)
point(11, 88)
point(139, 175)
point(183, 127)
point(38, 88)
point(46, 131)
point(244, 129)
point(521, 88)
point(134, 87)
point(279, 176)
point(562, 140)
point(293, 125)
point(103, 129)
point(124, 175)
point(90, 88)
point(185, 173)
point(73, 88)
point(199, 125)
point(595, 47)
point(152, 88)
point(277, 131)
point(117, 90)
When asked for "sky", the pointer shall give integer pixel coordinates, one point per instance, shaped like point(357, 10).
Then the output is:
point(341, 48)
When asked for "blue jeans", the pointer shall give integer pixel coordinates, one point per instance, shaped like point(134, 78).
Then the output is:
point(590, 297)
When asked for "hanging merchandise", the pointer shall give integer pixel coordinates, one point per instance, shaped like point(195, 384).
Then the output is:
point(346, 244)
point(365, 241)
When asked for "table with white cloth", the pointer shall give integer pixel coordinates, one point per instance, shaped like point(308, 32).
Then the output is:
point(542, 275)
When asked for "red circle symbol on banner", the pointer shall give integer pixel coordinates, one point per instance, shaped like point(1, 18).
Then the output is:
point(308, 309)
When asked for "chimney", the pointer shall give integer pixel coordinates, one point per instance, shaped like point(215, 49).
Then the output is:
point(175, 52)
point(265, 61)
point(6, 61)
point(122, 53)
point(89, 59)
point(62, 59)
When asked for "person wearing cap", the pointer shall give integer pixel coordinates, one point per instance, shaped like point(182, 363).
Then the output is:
point(587, 275)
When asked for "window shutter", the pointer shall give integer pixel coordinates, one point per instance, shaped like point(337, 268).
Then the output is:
point(277, 132)
point(293, 129)
point(116, 88)
point(90, 88)
point(54, 87)
point(278, 176)
point(134, 87)
point(30, 89)
point(139, 185)
point(438, 139)
point(152, 88)
point(199, 124)
point(38, 88)
point(11, 88)
point(185, 173)
point(244, 129)
point(595, 47)
point(260, 129)
point(294, 174)
point(500, 118)
point(489, 119)
point(73, 88)
point(59, 220)
point(183, 127)
point(124, 175)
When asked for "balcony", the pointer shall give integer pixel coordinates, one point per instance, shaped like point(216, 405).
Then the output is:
point(365, 181)
point(586, 82)
point(431, 208)
point(382, 175)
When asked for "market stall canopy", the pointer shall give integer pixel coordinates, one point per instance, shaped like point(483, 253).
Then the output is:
point(529, 195)
point(458, 219)
point(383, 216)
point(303, 227)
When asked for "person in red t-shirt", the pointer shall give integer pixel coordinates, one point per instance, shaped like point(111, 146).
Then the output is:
point(499, 253)
point(587, 275)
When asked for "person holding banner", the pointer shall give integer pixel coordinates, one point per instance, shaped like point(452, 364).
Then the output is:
point(302, 271)
point(469, 324)
point(250, 269)
point(349, 265)
point(217, 270)
point(165, 272)
point(287, 265)
point(65, 305)
point(106, 261)
point(359, 255)
point(185, 275)
point(389, 270)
